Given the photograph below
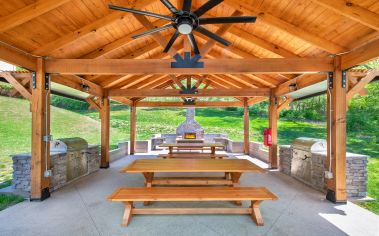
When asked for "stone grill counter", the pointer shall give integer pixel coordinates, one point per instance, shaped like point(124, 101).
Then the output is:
point(356, 170)
point(69, 159)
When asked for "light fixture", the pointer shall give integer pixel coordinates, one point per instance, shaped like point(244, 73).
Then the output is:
point(292, 87)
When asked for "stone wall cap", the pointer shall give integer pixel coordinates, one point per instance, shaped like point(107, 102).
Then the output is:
point(285, 146)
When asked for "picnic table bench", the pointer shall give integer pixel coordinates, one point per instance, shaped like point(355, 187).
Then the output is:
point(192, 146)
point(193, 155)
point(167, 194)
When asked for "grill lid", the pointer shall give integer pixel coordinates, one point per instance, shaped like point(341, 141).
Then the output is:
point(68, 144)
point(309, 144)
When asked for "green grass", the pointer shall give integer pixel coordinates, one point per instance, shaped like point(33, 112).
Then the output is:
point(373, 186)
point(15, 131)
point(7, 200)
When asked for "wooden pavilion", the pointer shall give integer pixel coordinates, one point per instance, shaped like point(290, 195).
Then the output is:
point(294, 44)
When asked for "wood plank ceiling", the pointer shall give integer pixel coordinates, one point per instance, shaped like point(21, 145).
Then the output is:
point(285, 28)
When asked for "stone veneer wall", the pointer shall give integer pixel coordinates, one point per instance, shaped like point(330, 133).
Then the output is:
point(22, 168)
point(356, 170)
point(158, 139)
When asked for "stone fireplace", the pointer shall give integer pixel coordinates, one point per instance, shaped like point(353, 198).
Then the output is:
point(190, 128)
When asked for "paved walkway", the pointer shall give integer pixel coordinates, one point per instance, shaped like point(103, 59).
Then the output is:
point(81, 209)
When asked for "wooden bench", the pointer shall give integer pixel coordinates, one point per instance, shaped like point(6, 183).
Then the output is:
point(167, 194)
point(193, 155)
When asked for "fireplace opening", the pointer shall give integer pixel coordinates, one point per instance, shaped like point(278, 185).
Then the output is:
point(189, 136)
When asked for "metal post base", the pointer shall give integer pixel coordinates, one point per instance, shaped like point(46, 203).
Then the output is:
point(105, 166)
point(45, 193)
point(331, 196)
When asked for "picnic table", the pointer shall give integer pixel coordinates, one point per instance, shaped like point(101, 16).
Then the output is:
point(196, 146)
point(231, 168)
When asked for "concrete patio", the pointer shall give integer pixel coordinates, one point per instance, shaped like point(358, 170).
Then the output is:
point(81, 209)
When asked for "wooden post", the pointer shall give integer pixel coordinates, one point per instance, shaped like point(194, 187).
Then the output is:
point(246, 119)
point(133, 116)
point(273, 124)
point(105, 132)
point(40, 107)
point(337, 133)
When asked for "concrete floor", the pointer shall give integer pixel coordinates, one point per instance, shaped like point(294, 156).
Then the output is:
point(81, 209)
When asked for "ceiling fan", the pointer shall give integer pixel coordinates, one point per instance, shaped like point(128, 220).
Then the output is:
point(186, 21)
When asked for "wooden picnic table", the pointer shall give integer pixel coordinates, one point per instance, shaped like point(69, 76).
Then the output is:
point(232, 168)
point(199, 146)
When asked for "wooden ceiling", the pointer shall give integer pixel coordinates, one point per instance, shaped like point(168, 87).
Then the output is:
point(87, 29)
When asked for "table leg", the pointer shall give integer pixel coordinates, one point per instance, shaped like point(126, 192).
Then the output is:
point(236, 183)
point(170, 149)
point(127, 213)
point(213, 150)
point(148, 183)
point(256, 213)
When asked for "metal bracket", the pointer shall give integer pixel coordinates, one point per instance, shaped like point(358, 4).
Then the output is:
point(34, 80)
point(189, 101)
point(191, 90)
point(343, 79)
point(186, 61)
point(47, 138)
point(47, 81)
point(330, 80)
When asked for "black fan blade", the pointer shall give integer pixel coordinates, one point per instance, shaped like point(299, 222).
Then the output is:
point(212, 36)
point(153, 31)
point(206, 7)
point(171, 42)
point(227, 20)
point(193, 43)
point(145, 13)
point(169, 5)
point(187, 4)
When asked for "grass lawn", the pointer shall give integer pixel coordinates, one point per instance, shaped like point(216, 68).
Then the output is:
point(7, 200)
point(15, 131)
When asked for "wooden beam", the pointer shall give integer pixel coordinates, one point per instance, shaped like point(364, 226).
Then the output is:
point(158, 66)
point(298, 83)
point(359, 86)
point(93, 27)
point(282, 25)
point(24, 82)
point(28, 13)
point(201, 93)
point(352, 11)
point(361, 55)
point(16, 85)
point(17, 57)
point(94, 104)
point(273, 125)
point(285, 104)
point(256, 100)
point(246, 126)
point(78, 83)
point(40, 107)
point(105, 132)
point(198, 104)
point(133, 120)
point(337, 134)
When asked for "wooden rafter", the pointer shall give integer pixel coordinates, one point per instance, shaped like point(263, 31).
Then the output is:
point(201, 93)
point(87, 29)
point(352, 11)
point(298, 83)
point(78, 83)
point(28, 13)
point(357, 88)
point(282, 25)
point(361, 55)
point(17, 57)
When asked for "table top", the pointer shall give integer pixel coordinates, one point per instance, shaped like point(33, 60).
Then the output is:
point(191, 145)
point(191, 165)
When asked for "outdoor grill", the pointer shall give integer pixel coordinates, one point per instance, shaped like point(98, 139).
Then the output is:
point(76, 158)
point(302, 148)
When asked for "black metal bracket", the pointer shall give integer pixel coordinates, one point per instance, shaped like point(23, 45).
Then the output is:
point(343, 79)
point(47, 81)
point(189, 101)
point(330, 80)
point(106, 166)
point(34, 80)
point(186, 61)
point(191, 90)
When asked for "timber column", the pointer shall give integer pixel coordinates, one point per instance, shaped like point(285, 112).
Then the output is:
point(133, 118)
point(337, 134)
point(273, 125)
point(105, 131)
point(40, 107)
point(246, 128)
